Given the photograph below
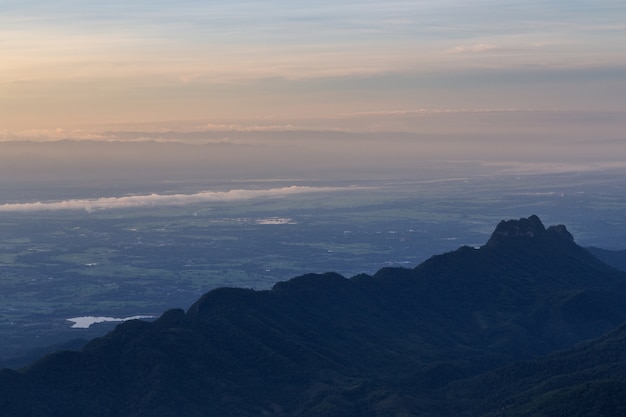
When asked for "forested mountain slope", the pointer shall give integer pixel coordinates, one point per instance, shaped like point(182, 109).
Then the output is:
point(395, 343)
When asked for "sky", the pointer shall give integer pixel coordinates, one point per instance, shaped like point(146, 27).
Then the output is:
point(300, 89)
point(74, 64)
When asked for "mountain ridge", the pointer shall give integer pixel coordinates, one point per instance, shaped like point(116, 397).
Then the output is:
point(324, 344)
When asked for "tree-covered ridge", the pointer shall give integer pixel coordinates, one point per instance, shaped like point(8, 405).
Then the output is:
point(587, 380)
point(400, 342)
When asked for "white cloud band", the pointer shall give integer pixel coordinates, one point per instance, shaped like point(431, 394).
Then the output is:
point(152, 200)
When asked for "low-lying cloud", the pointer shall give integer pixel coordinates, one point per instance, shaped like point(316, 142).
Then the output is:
point(154, 200)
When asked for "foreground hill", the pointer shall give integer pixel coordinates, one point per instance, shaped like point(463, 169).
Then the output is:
point(587, 380)
point(325, 345)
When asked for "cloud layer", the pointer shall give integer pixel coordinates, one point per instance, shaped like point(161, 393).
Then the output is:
point(153, 200)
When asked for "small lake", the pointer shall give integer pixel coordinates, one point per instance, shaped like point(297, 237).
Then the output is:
point(85, 322)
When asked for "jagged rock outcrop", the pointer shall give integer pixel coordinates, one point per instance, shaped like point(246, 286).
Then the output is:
point(528, 228)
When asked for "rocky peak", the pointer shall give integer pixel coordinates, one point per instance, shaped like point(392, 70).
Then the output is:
point(560, 232)
point(527, 228)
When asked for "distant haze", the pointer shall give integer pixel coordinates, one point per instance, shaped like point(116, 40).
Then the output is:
point(114, 94)
point(366, 65)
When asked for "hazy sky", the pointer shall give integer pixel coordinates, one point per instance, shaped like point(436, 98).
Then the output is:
point(75, 64)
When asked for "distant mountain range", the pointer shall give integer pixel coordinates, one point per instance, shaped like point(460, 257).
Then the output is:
point(467, 333)
point(615, 258)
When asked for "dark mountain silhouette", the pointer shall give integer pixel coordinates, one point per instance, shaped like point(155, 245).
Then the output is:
point(587, 380)
point(393, 343)
point(30, 355)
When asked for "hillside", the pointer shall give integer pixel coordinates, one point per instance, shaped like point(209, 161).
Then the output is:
point(325, 345)
point(587, 380)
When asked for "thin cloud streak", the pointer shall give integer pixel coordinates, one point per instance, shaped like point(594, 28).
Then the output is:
point(477, 48)
point(429, 111)
point(154, 200)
